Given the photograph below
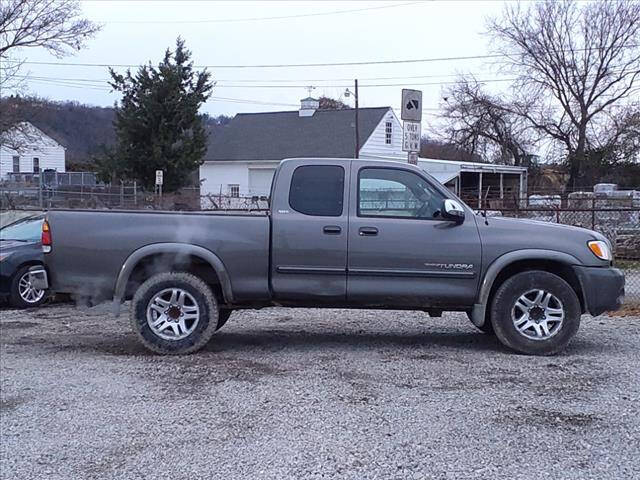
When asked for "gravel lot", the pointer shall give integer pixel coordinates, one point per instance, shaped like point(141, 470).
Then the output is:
point(289, 394)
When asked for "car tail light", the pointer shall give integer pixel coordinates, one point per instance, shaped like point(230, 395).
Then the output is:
point(46, 237)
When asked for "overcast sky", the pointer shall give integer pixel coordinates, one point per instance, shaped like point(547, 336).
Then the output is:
point(241, 33)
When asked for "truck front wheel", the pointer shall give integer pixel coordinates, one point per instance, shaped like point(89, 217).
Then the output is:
point(535, 313)
point(174, 313)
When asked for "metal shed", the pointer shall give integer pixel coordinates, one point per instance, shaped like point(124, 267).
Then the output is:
point(478, 184)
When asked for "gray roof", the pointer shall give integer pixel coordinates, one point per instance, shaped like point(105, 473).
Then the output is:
point(278, 135)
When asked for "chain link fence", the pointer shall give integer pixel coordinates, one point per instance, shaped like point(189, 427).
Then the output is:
point(620, 224)
point(616, 218)
point(28, 196)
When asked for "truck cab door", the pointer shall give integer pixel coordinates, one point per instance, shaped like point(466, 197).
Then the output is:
point(402, 252)
point(309, 232)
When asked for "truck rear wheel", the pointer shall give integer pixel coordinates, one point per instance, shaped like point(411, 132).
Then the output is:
point(174, 313)
point(535, 313)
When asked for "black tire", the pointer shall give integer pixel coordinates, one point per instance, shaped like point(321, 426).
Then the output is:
point(223, 316)
point(15, 299)
point(204, 299)
point(486, 328)
point(504, 302)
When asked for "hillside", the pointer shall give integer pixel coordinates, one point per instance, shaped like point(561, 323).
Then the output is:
point(81, 129)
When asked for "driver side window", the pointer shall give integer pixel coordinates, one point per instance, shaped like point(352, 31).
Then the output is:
point(392, 192)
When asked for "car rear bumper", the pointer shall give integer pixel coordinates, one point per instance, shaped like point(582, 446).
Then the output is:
point(603, 288)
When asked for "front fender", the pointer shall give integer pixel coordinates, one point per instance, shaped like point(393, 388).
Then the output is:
point(172, 249)
point(478, 314)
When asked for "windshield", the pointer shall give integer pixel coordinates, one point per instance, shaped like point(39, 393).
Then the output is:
point(27, 229)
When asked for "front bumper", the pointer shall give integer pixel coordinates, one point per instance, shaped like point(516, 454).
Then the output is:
point(602, 288)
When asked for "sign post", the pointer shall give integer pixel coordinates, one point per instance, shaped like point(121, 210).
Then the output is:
point(412, 116)
point(159, 182)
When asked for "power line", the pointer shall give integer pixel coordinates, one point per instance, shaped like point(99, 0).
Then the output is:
point(285, 83)
point(253, 102)
point(367, 85)
point(282, 81)
point(427, 110)
point(297, 65)
point(271, 86)
point(256, 19)
point(280, 65)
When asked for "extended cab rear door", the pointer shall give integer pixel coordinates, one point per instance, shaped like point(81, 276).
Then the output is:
point(402, 253)
point(309, 231)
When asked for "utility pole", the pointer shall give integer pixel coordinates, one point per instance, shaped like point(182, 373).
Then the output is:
point(357, 123)
point(348, 93)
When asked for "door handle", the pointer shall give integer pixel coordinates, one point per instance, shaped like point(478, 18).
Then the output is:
point(368, 231)
point(332, 230)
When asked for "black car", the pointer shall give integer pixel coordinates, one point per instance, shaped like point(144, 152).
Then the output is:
point(20, 249)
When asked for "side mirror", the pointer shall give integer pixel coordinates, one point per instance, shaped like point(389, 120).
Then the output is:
point(452, 210)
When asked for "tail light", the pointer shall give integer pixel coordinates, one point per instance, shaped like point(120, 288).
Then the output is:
point(46, 237)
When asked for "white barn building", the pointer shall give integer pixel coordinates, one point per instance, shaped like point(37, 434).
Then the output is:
point(243, 156)
point(26, 149)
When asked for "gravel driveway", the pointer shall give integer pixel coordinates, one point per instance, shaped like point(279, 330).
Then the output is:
point(306, 394)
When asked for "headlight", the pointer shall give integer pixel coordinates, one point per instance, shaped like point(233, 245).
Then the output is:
point(601, 250)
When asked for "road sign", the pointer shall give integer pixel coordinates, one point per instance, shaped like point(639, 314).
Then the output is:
point(411, 105)
point(159, 177)
point(412, 158)
point(411, 137)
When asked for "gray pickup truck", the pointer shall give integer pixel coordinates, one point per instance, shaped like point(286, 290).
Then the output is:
point(340, 233)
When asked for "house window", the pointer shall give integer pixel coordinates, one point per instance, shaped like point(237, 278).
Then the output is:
point(388, 132)
point(16, 164)
point(234, 190)
point(36, 165)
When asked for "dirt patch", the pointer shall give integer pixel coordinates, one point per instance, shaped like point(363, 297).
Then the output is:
point(630, 310)
point(17, 325)
point(538, 417)
point(9, 404)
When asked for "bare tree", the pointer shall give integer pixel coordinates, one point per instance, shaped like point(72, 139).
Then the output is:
point(55, 25)
point(575, 63)
point(623, 140)
point(328, 103)
point(483, 124)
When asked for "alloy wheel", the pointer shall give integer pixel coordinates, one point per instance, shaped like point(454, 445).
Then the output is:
point(538, 314)
point(173, 314)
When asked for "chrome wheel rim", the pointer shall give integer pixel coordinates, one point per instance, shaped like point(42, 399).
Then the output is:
point(26, 291)
point(173, 314)
point(538, 315)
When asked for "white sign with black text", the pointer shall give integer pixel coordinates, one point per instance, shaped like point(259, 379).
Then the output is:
point(411, 137)
point(159, 177)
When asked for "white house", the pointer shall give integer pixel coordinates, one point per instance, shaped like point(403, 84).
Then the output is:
point(242, 156)
point(27, 149)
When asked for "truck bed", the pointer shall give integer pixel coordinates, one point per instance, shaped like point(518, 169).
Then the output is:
point(105, 239)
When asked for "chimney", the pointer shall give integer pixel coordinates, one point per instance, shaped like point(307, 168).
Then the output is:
point(308, 107)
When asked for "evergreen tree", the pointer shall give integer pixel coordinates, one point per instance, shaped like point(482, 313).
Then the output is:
point(157, 123)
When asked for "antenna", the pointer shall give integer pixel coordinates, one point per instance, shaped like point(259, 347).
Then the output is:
point(309, 88)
